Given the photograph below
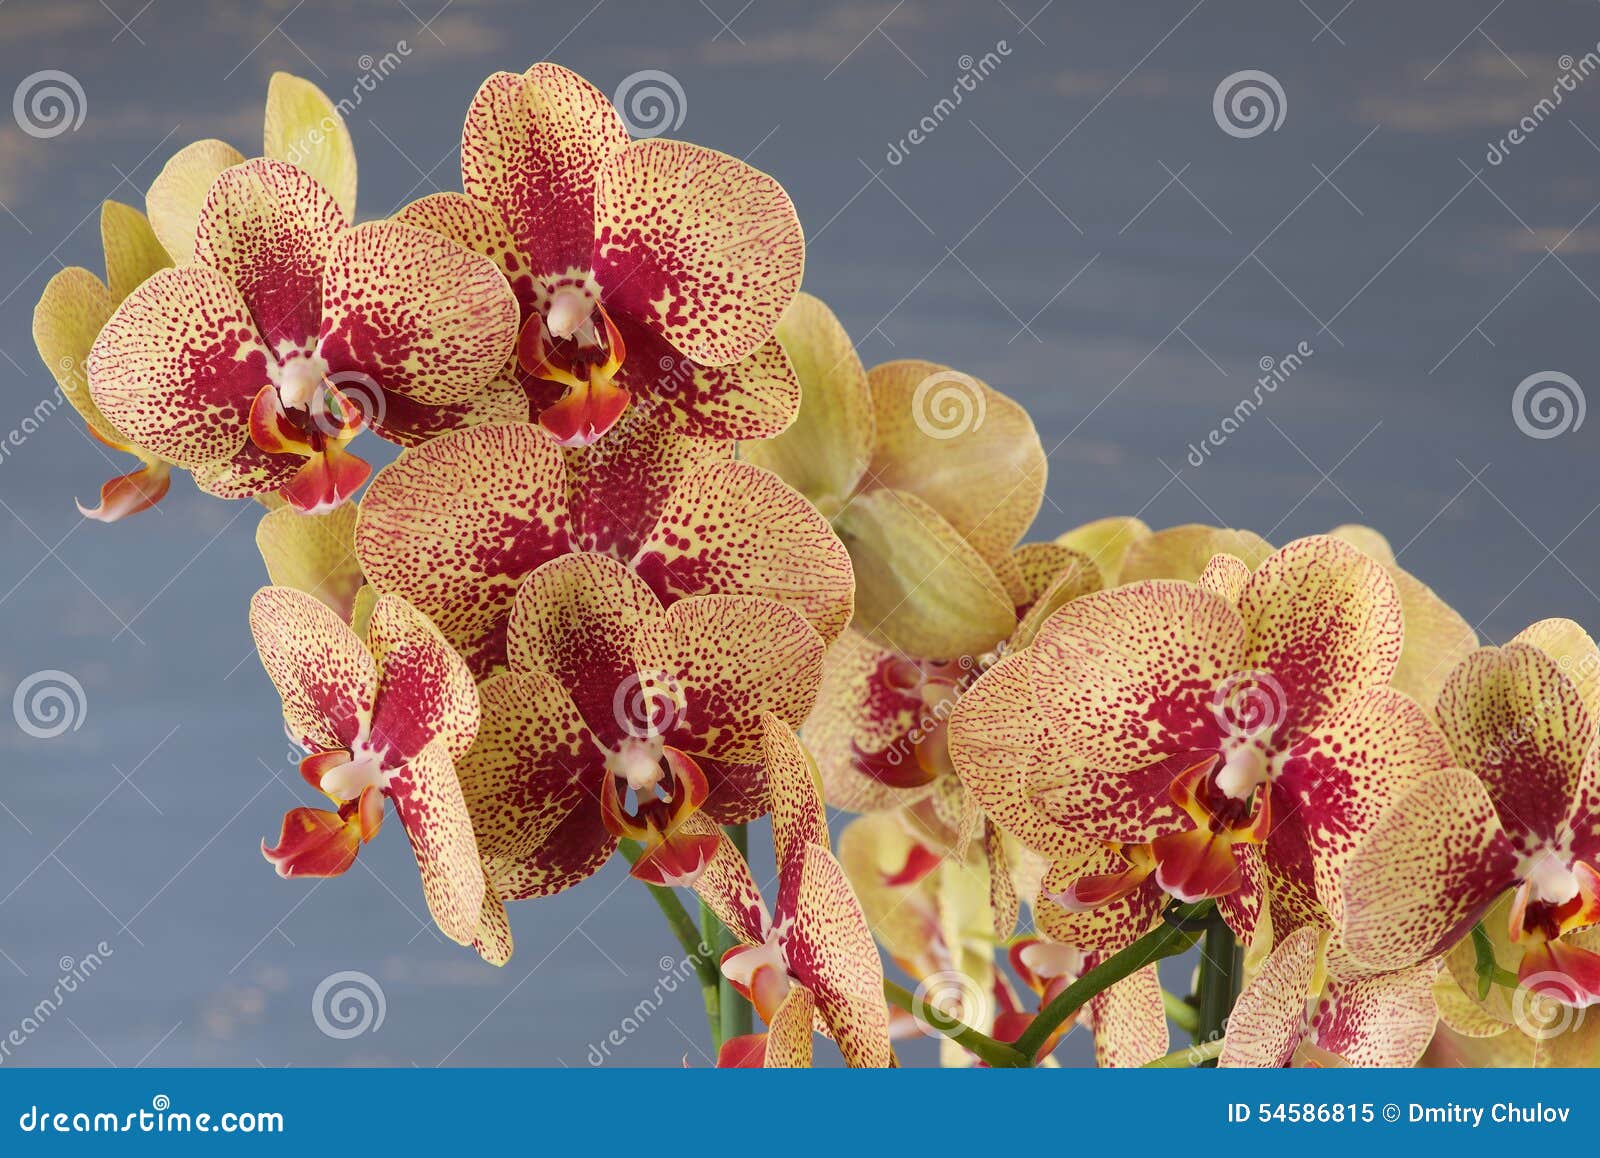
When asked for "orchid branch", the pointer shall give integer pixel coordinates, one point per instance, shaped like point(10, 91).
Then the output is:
point(1175, 935)
point(996, 1053)
point(696, 947)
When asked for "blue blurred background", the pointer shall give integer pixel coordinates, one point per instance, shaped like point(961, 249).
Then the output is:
point(1081, 231)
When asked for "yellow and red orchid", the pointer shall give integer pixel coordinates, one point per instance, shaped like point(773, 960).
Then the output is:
point(811, 960)
point(383, 718)
point(73, 309)
point(241, 366)
point(621, 717)
point(1128, 1020)
point(1309, 1006)
point(456, 526)
point(315, 554)
point(1233, 737)
point(650, 272)
point(1520, 813)
point(929, 476)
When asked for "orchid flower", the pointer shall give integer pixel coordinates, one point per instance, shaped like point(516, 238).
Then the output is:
point(932, 915)
point(458, 525)
point(1233, 738)
point(1307, 1006)
point(1520, 813)
point(812, 959)
point(73, 309)
point(623, 718)
point(650, 272)
point(240, 367)
point(384, 718)
point(929, 476)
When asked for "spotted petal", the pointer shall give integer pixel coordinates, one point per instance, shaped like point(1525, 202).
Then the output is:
point(304, 128)
point(1268, 1021)
point(531, 147)
point(830, 950)
point(457, 524)
point(1426, 873)
point(1514, 718)
point(1386, 1019)
point(428, 798)
point(416, 313)
point(268, 227)
point(323, 672)
point(704, 541)
point(1129, 1021)
point(727, 886)
point(798, 817)
point(789, 1035)
point(178, 365)
point(425, 691)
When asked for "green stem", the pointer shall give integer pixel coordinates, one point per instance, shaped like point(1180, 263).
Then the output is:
point(1168, 940)
point(736, 1013)
point(684, 929)
point(1195, 1055)
point(996, 1053)
point(1185, 1016)
point(1221, 972)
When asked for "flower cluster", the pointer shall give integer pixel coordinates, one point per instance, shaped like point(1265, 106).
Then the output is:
point(653, 521)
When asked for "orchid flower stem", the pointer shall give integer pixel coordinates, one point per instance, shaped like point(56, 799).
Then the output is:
point(1167, 940)
point(735, 1019)
point(1221, 972)
point(996, 1053)
point(695, 946)
point(1185, 1058)
point(1180, 1012)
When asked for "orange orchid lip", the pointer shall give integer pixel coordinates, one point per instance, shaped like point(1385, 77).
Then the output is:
point(586, 363)
point(672, 856)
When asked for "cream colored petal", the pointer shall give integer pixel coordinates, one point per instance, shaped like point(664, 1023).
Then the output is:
point(1183, 552)
point(175, 198)
point(1106, 542)
point(313, 553)
point(132, 250)
point(305, 129)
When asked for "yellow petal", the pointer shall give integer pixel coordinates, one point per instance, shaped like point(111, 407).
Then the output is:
point(789, 1035)
point(179, 191)
point(1106, 542)
point(427, 796)
point(1183, 552)
point(920, 586)
point(968, 451)
point(313, 553)
point(798, 816)
point(305, 129)
point(132, 251)
point(1574, 652)
point(825, 451)
point(70, 314)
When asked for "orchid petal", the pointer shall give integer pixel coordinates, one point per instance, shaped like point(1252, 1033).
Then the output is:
point(322, 670)
point(699, 246)
point(132, 250)
point(1129, 1021)
point(304, 128)
point(789, 1035)
point(1106, 542)
point(428, 798)
point(425, 691)
point(178, 194)
point(313, 553)
point(72, 311)
point(798, 816)
point(1183, 552)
